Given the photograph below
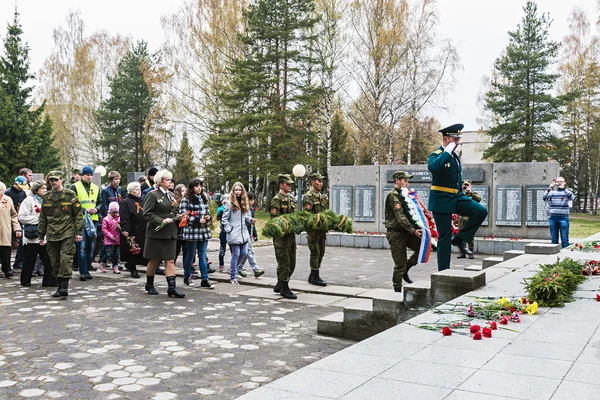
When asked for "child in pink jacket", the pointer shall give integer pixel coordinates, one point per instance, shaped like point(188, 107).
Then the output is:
point(112, 238)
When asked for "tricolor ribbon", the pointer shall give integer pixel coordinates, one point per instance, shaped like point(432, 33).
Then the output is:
point(425, 249)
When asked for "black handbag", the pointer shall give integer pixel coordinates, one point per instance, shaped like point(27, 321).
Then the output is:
point(31, 231)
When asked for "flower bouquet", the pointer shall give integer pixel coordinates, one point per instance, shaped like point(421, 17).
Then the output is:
point(134, 248)
point(586, 247)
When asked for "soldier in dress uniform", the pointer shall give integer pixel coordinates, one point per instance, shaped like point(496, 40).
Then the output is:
point(446, 197)
point(401, 233)
point(462, 220)
point(285, 247)
point(61, 223)
point(314, 202)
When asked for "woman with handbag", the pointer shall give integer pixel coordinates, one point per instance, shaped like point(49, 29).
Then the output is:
point(196, 232)
point(28, 216)
point(160, 211)
point(8, 224)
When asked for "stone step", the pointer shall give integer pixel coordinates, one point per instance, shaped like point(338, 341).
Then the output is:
point(358, 321)
point(331, 325)
point(417, 294)
point(452, 283)
point(388, 306)
point(510, 254)
point(474, 268)
point(542, 248)
point(491, 261)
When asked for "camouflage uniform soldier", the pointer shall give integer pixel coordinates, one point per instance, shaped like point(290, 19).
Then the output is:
point(462, 220)
point(400, 232)
point(285, 247)
point(314, 202)
point(61, 223)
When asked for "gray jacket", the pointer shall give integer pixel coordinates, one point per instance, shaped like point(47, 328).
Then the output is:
point(234, 224)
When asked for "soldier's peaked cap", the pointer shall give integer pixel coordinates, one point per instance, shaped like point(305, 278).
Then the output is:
point(285, 178)
point(452, 130)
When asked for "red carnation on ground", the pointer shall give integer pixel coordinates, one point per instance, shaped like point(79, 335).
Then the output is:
point(493, 325)
point(503, 321)
point(446, 331)
point(475, 328)
point(487, 332)
point(477, 335)
point(597, 297)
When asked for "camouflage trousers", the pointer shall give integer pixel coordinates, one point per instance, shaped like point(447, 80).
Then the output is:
point(61, 255)
point(399, 242)
point(285, 254)
point(316, 245)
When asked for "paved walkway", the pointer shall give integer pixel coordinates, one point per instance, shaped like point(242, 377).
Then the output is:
point(552, 355)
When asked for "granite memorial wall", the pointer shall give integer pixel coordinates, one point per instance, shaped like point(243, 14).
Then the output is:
point(512, 193)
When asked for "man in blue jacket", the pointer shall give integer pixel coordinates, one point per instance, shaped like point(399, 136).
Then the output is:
point(446, 198)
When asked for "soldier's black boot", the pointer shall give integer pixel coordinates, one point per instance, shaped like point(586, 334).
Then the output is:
point(150, 285)
point(277, 287)
point(286, 291)
point(58, 288)
point(315, 279)
point(462, 247)
point(64, 288)
point(405, 276)
point(172, 291)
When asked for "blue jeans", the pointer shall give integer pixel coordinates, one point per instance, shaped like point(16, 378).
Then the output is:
point(251, 258)
point(559, 223)
point(222, 248)
point(191, 246)
point(111, 252)
point(239, 252)
point(85, 249)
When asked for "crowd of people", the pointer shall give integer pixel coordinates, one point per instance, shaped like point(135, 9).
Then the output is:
point(58, 230)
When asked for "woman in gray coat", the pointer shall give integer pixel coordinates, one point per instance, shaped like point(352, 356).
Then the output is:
point(235, 217)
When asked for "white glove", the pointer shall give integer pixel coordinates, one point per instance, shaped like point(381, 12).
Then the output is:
point(450, 147)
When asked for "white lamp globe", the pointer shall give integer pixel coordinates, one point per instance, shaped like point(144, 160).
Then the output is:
point(299, 170)
point(101, 170)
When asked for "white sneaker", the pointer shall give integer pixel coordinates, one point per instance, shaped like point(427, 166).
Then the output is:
point(234, 282)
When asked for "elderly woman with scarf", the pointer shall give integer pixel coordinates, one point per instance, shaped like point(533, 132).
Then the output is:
point(29, 214)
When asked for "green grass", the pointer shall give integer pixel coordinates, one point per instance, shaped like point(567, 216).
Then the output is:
point(583, 225)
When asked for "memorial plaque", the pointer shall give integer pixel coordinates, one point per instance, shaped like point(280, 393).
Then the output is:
point(341, 199)
point(473, 175)
point(536, 211)
point(484, 192)
point(418, 176)
point(508, 205)
point(384, 193)
point(364, 203)
point(133, 176)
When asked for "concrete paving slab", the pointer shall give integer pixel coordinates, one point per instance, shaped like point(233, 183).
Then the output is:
point(356, 364)
point(566, 352)
point(349, 301)
point(441, 354)
point(466, 342)
point(386, 348)
point(580, 372)
point(530, 366)
point(311, 298)
point(388, 389)
point(315, 382)
point(273, 394)
point(494, 383)
point(464, 395)
point(408, 333)
point(569, 390)
point(554, 336)
point(427, 373)
point(261, 293)
point(340, 290)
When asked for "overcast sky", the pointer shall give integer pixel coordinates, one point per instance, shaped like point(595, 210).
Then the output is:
point(477, 27)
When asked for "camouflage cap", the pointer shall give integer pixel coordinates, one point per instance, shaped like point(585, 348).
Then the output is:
point(285, 178)
point(316, 176)
point(76, 171)
point(54, 175)
point(401, 175)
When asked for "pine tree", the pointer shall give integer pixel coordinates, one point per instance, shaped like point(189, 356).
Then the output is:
point(269, 101)
point(520, 100)
point(185, 167)
point(25, 132)
point(124, 116)
point(339, 141)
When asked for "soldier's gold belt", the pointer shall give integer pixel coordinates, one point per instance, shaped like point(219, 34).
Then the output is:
point(444, 189)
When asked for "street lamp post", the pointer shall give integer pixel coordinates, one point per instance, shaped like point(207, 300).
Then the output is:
point(299, 170)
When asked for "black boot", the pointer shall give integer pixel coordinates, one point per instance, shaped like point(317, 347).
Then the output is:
point(286, 291)
point(58, 288)
point(150, 285)
point(64, 288)
point(406, 277)
point(462, 247)
point(133, 270)
point(315, 279)
point(172, 291)
point(205, 283)
point(277, 287)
